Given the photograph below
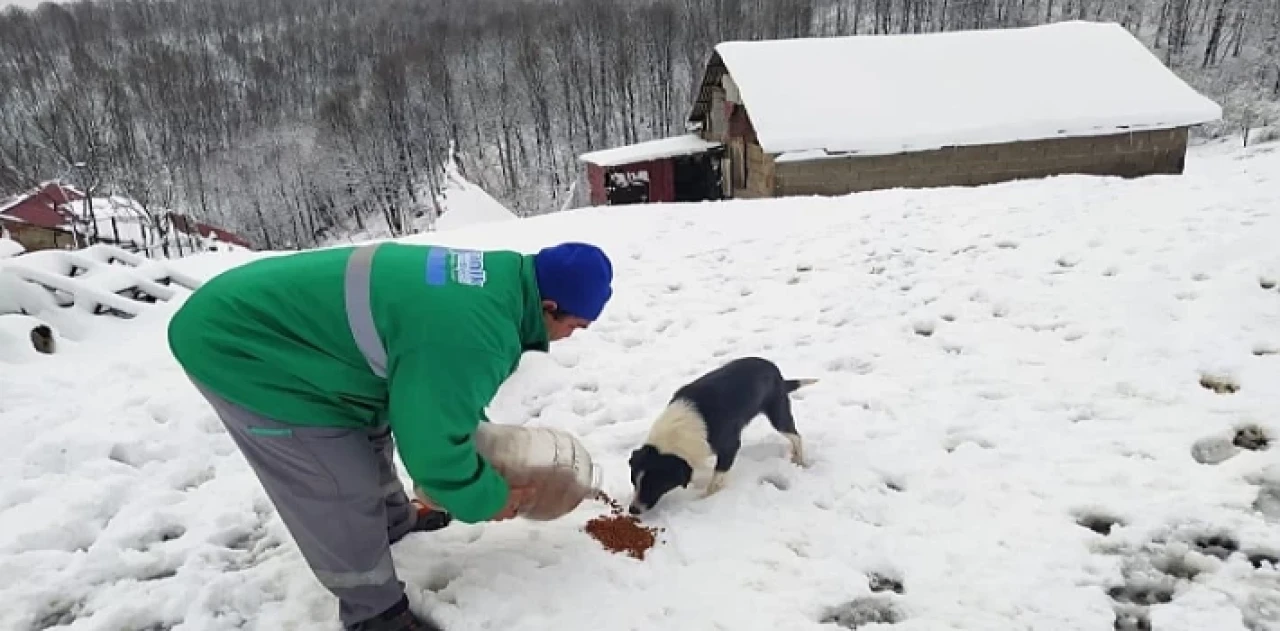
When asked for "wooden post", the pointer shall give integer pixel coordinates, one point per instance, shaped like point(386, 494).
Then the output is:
point(177, 236)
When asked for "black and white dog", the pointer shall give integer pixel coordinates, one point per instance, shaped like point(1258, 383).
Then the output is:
point(706, 418)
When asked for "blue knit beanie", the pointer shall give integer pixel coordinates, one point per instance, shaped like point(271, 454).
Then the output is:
point(576, 276)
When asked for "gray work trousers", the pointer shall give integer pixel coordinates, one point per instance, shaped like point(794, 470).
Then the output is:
point(337, 492)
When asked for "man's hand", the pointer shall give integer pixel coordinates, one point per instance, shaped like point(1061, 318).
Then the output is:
point(518, 496)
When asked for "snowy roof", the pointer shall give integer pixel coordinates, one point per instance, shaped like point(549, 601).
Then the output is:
point(896, 93)
point(685, 145)
point(122, 208)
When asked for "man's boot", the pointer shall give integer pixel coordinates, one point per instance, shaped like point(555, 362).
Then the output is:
point(426, 519)
point(429, 518)
point(398, 618)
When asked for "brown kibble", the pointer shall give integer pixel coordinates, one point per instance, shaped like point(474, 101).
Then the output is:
point(621, 533)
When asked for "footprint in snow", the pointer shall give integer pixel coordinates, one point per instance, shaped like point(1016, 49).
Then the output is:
point(1267, 501)
point(1252, 437)
point(1099, 522)
point(923, 327)
point(1262, 560)
point(775, 480)
point(1131, 618)
point(952, 443)
point(1220, 545)
point(1219, 383)
point(1213, 450)
point(60, 612)
point(886, 582)
point(850, 364)
point(863, 611)
point(1142, 592)
point(157, 536)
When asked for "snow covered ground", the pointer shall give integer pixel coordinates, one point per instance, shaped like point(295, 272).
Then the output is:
point(998, 367)
point(9, 248)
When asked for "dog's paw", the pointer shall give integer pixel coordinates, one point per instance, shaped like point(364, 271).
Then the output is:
point(797, 451)
point(715, 485)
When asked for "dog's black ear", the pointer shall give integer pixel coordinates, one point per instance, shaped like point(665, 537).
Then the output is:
point(640, 455)
point(686, 473)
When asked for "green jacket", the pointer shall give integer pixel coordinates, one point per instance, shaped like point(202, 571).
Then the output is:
point(273, 336)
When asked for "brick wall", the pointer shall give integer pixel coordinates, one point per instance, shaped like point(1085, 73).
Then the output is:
point(1128, 154)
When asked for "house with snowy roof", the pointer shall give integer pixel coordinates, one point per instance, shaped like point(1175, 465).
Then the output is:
point(837, 115)
point(54, 215)
point(38, 219)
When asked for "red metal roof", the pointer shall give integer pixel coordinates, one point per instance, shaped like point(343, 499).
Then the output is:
point(185, 224)
point(223, 235)
point(39, 207)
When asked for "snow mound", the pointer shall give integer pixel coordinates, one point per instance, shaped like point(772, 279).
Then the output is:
point(1016, 385)
point(465, 204)
point(62, 288)
point(10, 248)
point(16, 344)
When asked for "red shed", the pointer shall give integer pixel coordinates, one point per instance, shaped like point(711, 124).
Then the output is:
point(678, 169)
point(37, 219)
point(187, 225)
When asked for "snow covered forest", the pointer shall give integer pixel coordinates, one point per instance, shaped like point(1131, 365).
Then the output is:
point(291, 121)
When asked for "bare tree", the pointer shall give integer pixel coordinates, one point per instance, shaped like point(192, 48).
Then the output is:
point(296, 121)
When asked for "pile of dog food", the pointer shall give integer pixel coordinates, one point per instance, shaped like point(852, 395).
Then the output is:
point(619, 532)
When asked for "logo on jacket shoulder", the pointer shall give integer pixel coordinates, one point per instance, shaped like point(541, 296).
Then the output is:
point(467, 266)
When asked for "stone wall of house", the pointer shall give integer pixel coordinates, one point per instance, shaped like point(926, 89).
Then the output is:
point(761, 173)
point(1127, 154)
point(36, 238)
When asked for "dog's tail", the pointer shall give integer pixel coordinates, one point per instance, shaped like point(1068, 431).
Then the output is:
point(796, 384)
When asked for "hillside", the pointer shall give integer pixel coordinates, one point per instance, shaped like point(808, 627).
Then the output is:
point(1027, 402)
point(288, 120)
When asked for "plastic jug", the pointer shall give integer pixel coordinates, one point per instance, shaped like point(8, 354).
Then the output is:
point(554, 461)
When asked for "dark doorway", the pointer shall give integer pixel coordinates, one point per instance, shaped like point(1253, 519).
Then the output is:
point(627, 187)
point(697, 177)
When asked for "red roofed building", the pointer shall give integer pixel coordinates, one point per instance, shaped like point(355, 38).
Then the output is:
point(37, 220)
point(40, 219)
point(185, 224)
